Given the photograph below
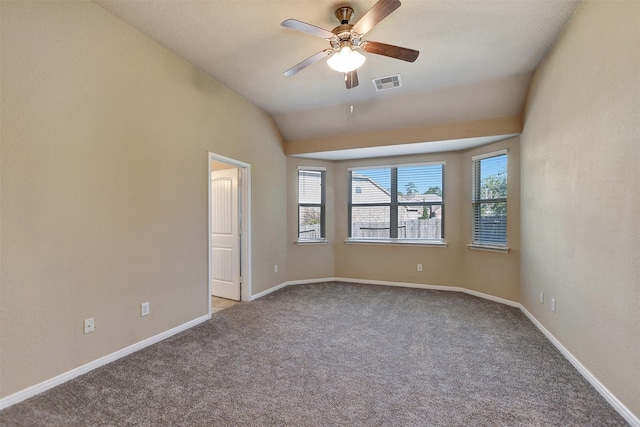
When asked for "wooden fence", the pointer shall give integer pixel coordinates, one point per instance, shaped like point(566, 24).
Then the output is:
point(410, 229)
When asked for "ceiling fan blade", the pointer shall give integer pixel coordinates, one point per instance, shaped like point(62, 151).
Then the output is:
point(377, 13)
point(294, 24)
point(351, 79)
point(310, 60)
point(391, 51)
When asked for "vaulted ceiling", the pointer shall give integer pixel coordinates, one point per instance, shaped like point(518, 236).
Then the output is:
point(476, 60)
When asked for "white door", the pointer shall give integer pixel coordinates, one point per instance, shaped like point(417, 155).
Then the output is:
point(225, 235)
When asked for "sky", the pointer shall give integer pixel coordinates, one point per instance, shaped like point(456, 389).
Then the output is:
point(426, 176)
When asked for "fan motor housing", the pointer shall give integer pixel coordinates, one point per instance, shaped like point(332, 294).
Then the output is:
point(343, 32)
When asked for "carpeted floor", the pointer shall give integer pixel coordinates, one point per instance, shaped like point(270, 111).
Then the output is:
point(336, 354)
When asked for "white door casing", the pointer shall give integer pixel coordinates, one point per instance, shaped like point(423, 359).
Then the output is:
point(225, 234)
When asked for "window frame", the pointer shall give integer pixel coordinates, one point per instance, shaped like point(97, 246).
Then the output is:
point(393, 205)
point(322, 205)
point(477, 202)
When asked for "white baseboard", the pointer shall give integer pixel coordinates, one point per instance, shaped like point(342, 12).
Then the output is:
point(629, 416)
point(304, 282)
point(21, 395)
point(386, 283)
point(604, 392)
point(268, 291)
point(290, 283)
point(431, 287)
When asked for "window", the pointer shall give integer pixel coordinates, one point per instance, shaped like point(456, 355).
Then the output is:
point(311, 204)
point(489, 199)
point(397, 203)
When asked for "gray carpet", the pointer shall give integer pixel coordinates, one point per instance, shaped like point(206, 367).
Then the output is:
point(336, 354)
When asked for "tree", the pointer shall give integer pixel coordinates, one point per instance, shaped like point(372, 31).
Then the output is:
point(494, 187)
point(426, 212)
point(434, 190)
point(411, 188)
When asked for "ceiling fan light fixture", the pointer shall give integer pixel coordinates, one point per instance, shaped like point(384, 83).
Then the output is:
point(346, 60)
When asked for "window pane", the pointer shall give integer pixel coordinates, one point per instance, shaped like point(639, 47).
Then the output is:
point(420, 222)
point(370, 222)
point(309, 186)
point(310, 220)
point(490, 223)
point(311, 204)
point(493, 177)
point(420, 184)
point(489, 180)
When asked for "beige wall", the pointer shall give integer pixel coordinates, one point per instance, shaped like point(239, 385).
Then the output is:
point(493, 273)
point(310, 261)
point(580, 200)
point(104, 187)
point(490, 272)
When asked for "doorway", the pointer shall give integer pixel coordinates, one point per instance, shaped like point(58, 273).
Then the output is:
point(229, 229)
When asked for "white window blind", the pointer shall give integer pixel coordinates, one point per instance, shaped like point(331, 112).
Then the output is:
point(397, 202)
point(311, 204)
point(489, 199)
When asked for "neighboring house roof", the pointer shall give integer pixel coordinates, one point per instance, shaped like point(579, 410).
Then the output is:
point(366, 178)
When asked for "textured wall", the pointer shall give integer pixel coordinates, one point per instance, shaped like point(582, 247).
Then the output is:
point(104, 187)
point(580, 200)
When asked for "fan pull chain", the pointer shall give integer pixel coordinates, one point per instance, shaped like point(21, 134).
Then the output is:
point(351, 100)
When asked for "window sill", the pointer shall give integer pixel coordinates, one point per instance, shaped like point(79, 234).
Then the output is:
point(312, 242)
point(489, 248)
point(396, 242)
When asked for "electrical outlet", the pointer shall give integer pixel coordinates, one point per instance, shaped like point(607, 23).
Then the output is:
point(541, 297)
point(275, 268)
point(89, 325)
point(419, 267)
point(144, 309)
point(553, 305)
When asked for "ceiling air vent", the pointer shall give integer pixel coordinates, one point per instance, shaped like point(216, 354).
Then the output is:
point(384, 83)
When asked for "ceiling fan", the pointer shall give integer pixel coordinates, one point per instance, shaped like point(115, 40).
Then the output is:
point(346, 41)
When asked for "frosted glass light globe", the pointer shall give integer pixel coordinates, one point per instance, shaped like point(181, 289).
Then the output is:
point(346, 60)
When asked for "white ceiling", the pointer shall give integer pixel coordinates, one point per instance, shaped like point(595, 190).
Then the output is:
point(476, 58)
